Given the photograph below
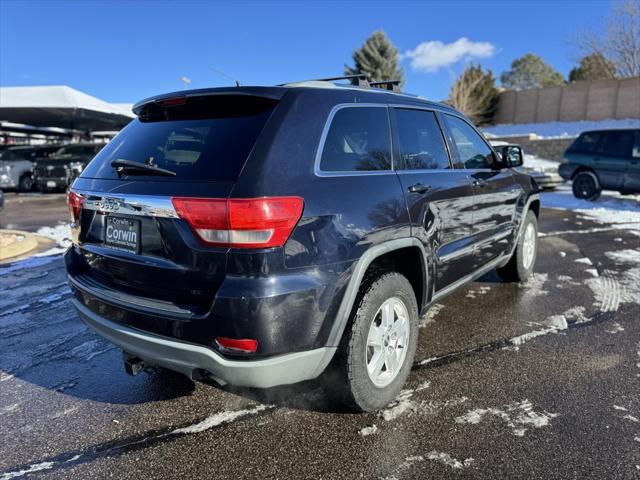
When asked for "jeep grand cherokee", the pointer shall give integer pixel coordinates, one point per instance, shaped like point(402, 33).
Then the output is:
point(261, 236)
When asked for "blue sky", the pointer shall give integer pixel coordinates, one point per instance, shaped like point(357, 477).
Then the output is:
point(123, 51)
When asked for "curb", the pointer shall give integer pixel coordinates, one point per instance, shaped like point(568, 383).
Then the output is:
point(23, 243)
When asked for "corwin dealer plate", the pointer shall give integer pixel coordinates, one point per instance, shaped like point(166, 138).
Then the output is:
point(123, 233)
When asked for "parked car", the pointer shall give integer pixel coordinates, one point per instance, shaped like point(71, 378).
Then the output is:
point(262, 236)
point(58, 171)
point(16, 166)
point(544, 172)
point(603, 160)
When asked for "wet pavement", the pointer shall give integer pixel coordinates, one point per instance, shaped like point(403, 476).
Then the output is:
point(539, 380)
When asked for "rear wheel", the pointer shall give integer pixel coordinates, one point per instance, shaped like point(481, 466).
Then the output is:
point(586, 186)
point(25, 184)
point(520, 266)
point(376, 353)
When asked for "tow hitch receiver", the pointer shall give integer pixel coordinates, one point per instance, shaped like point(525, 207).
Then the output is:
point(133, 365)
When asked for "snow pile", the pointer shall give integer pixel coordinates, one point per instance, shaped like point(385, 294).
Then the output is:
point(558, 129)
point(518, 416)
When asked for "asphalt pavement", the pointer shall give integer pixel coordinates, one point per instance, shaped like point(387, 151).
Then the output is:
point(536, 380)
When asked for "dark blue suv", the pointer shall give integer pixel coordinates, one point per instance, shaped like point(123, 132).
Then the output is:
point(262, 236)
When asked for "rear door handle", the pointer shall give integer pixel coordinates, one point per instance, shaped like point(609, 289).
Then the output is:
point(419, 188)
point(479, 183)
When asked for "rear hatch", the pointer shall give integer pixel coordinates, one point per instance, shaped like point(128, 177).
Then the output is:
point(131, 241)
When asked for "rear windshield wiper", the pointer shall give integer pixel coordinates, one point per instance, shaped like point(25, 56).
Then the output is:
point(128, 166)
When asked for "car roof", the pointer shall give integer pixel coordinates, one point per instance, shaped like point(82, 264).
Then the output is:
point(604, 130)
point(370, 94)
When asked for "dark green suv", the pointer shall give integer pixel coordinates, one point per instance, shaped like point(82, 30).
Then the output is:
point(603, 160)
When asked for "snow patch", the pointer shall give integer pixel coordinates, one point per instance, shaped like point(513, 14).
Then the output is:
point(368, 430)
point(593, 272)
point(431, 314)
point(518, 416)
point(615, 328)
point(534, 284)
point(613, 288)
point(37, 467)
point(625, 256)
point(585, 260)
point(61, 234)
point(404, 405)
point(448, 460)
point(218, 419)
point(562, 254)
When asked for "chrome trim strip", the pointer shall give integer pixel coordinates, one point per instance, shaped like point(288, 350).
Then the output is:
point(126, 204)
point(325, 131)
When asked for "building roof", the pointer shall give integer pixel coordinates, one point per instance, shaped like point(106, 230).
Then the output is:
point(61, 106)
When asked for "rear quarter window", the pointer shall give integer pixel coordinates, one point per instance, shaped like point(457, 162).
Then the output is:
point(358, 140)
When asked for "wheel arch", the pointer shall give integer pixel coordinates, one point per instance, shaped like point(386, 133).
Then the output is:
point(380, 257)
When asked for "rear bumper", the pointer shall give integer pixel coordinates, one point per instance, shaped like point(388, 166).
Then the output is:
point(548, 180)
point(190, 359)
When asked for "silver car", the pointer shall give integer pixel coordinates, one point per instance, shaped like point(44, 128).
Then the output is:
point(544, 172)
point(16, 166)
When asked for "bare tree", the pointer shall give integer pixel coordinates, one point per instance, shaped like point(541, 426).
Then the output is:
point(620, 42)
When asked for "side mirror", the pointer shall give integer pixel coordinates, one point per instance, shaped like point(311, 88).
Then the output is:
point(512, 155)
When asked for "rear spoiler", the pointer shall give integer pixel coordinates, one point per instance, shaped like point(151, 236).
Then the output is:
point(180, 97)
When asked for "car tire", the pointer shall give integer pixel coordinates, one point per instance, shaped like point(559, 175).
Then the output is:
point(586, 186)
point(25, 184)
point(351, 378)
point(523, 260)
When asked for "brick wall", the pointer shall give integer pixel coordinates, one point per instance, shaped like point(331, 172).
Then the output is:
point(597, 100)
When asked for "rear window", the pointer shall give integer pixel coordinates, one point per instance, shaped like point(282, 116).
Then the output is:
point(586, 142)
point(359, 139)
point(206, 139)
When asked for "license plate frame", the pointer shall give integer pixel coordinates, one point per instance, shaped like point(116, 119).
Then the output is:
point(122, 233)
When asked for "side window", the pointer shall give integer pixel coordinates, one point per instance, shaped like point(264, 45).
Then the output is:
point(359, 139)
point(586, 143)
point(420, 140)
point(616, 143)
point(473, 152)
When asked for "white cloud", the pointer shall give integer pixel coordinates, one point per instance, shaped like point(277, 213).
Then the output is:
point(434, 55)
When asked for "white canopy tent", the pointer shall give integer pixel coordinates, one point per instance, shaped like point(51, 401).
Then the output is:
point(61, 107)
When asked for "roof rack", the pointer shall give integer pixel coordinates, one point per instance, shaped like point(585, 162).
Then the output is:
point(393, 85)
point(361, 80)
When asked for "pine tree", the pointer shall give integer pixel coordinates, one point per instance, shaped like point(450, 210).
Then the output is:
point(530, 71)
point(593, 67)
point(474, 93)
point(378, 59)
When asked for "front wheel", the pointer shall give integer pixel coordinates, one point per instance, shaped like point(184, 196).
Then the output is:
point(520, 266)
point(376, 353)
point(586, 186)
point(26, 183)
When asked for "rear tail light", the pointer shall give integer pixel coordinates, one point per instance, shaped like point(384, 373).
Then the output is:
point(237, 345)
point(74, 202)
point(242, 223)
